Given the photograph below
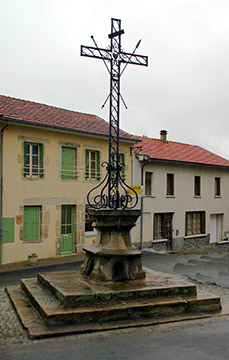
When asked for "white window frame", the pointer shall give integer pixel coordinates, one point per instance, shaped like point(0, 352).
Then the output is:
point(90, 173)
point(31, 170)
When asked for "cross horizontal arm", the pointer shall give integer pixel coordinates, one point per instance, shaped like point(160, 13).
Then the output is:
point(97, 53)
point(134, 59)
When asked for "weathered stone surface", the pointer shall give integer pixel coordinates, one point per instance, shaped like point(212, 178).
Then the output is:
point(111, 305)
point(198, 243)
point(113, 258)
point(72, 289)
point(221, 247)
point(19, 219)
point(46, 217)
point(159, 246)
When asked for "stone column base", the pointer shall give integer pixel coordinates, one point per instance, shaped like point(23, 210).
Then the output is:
point(113, 259)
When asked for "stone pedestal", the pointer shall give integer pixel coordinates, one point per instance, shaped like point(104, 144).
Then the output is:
point(113, 259)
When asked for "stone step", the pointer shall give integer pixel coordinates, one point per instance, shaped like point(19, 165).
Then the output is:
point(37, 328)
point(78, 305)
point(73, 289)
point(53, 313)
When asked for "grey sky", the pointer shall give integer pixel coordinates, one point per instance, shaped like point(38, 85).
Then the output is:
point(184, 90)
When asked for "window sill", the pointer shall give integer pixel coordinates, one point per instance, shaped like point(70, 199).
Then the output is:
point(32, 178)
point(170, 196)
point(194, 236)
point(149, 196)
point(221, 242)
point(159, 241)
point(91, 181)
point(217, 196)
point(197, 196)
point(28, 242)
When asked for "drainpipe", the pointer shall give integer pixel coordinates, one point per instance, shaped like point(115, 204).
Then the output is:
point(1, 191)
point(147, 159)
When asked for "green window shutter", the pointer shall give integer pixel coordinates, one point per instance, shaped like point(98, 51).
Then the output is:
point(41, 164)
point(68, 161)
point(8, 230)
point(86, 164)
point(31, 223)
point(98, 164)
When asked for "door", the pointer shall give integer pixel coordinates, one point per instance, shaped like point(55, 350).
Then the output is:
point(67, 229)
point(216, 221)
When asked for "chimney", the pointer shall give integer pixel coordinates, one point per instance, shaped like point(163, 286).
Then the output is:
point(163, 134)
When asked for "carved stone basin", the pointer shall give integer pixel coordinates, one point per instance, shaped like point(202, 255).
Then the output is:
point(114, 258)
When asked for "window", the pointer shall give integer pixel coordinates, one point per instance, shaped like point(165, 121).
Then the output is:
point(92, 165)
point(163, 226)
point(195, 223)
point(68, 163)
point(170, 184)
point(196, 185)
point(121, 159)
point(67, 229)
point(33, 160)
point(217, 186)
point(148, 183)
point(32, 215)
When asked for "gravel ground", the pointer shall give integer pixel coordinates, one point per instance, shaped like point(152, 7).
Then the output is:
point(12, 333)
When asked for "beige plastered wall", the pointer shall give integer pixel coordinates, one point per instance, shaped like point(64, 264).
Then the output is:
point(50, 192)
point(183, 199)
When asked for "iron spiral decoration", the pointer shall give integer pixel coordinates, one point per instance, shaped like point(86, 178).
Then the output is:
point(113, 190)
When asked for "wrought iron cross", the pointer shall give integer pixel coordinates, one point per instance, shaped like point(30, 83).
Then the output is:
point(114, 192)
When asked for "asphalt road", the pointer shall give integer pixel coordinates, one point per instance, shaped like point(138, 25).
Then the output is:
point(194, 340)
point(150, 260)
point(189, 340)
point(13, 277)
point(209, 268)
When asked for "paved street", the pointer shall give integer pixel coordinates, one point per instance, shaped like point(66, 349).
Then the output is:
point(13, 278)
point(205, 339)
point(209, 268)
point(194, 340)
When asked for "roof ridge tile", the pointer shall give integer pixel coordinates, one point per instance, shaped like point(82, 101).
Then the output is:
point(31, 112)
point(181, 152)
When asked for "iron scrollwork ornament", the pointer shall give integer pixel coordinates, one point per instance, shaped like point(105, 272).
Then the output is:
point(118, 196)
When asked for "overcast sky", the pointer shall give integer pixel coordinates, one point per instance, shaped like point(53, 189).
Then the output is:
point(184, 90)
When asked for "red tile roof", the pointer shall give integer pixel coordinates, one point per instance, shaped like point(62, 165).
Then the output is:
point(29, 112)
point(174, 151)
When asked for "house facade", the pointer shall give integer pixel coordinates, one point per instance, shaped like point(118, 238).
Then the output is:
point(50, 159)
point(185, 195)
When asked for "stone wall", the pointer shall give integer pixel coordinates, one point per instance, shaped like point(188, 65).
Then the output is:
point(189, 244)
point(196, 243)
point(159, 245)
point(220, 247)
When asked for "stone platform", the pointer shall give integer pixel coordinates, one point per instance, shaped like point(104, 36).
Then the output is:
point(61, 303)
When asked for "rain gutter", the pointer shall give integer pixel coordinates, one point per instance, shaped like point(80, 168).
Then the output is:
point(67, 129)
point(1, 190)
point(142, 197)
